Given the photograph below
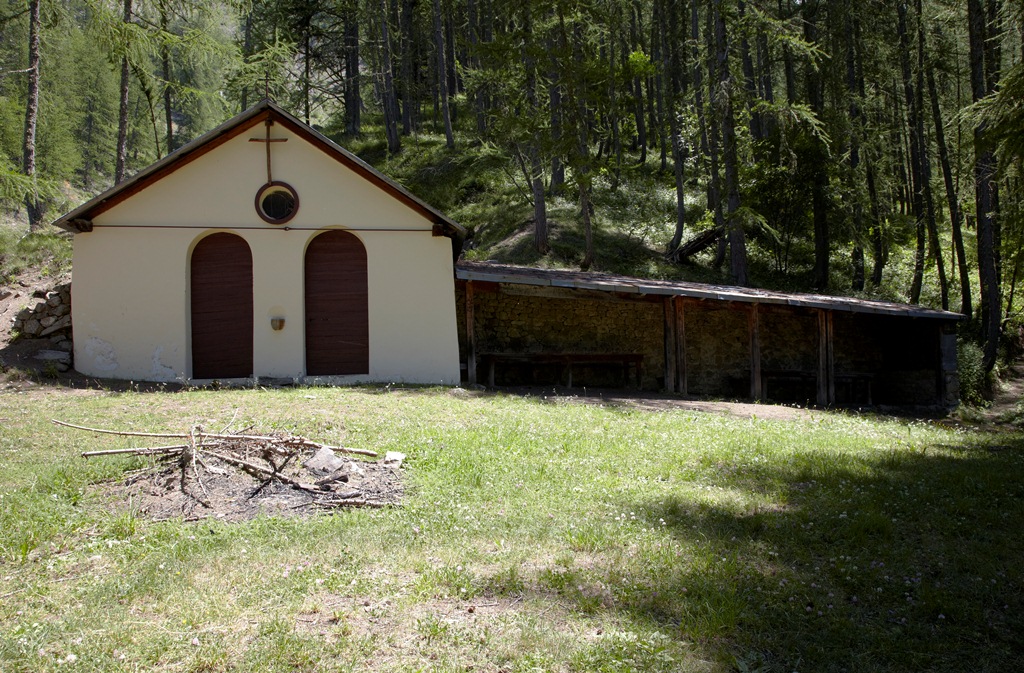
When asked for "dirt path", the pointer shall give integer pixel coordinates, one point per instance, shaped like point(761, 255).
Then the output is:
point(1007, 409)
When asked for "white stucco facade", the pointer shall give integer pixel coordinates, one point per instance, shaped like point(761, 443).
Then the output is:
point(130, 306)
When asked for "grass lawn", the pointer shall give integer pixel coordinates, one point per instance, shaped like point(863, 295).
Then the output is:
point(536, 536)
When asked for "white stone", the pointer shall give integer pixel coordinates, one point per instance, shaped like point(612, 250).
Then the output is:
point(325, 460)
point(56, 356)
point(393, 458)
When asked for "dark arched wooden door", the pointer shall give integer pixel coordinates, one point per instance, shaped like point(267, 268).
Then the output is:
point(222, 311)
point(337, 314)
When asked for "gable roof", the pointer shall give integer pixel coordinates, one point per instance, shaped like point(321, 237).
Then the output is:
point(602, 282)
point(80, 219)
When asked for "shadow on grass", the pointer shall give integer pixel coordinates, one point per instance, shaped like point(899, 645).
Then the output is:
point(908, 562)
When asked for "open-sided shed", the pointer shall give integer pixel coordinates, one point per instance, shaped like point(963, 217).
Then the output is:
point(524, 326)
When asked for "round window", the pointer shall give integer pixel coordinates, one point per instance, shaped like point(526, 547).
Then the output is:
point(277, 202)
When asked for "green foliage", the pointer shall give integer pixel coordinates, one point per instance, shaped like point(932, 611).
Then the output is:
point(1003, 114)
point(627, 652)
point(971, 371)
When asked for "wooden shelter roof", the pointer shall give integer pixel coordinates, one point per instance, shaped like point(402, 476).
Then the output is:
point(579, 280)
point(80, 219)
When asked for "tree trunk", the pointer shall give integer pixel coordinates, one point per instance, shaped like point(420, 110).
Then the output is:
point(766, 86)
point(614, 113)
point(306, 69)
point(709, 128)
point(555, 101)
point(451, 61)
point(857, 255)
point(662, 28)
point(984, 176)
point(916, 153)
point(955, 216)
point(474, 39)
point(583, 181)
point(246, 53)
point(671, 67)
point(901, 176)
point(32, 206)
point(165, 64)
point(389, 101)
point(638, 89)
point(788, 66)
point(819, 200)
point(540, 218)
point(935, 248)
point(737, 237)
point(588, 227)
point(878, 256)
point(749, 81)
point(353, 97)
point(406, 30)
point(442, 76)
point(122, 116)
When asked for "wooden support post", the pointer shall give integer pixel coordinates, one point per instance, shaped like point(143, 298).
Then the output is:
point(949, 383)
point(755, 353)
point(830, 340)
point(826, 360)
point(681, 345)
point(470, 336)
point(822, 360)
point(670, 345)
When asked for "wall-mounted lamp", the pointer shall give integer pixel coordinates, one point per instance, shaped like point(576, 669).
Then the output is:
point(277, 324)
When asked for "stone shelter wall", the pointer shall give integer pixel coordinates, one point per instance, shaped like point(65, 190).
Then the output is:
point(546, 320)
point(789, 353)
point(717, 349)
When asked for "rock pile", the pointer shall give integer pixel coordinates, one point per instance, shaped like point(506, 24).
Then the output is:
point(49, 318)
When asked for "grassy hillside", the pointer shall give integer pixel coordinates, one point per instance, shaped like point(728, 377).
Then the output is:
point(633, 220)
point(47, 254)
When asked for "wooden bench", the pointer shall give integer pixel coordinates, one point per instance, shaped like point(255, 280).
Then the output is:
point(852, 387)
point(566, 361)
point(773, 379)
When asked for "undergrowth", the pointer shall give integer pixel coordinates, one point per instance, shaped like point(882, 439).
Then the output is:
point(48, 253)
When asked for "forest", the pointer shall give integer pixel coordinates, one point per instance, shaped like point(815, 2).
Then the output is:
point(861, 147)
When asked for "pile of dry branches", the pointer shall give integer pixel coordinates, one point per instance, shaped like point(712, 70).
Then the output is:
point(264, 457)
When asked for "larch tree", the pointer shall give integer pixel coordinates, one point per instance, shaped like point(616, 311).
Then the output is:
point(32, 204)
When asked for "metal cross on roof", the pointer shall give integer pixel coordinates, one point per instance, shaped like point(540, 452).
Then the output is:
point(268, 140)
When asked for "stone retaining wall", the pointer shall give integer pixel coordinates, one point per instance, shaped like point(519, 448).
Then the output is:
point(48, 316)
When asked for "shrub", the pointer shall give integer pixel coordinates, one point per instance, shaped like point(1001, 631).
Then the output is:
point(971, 370)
